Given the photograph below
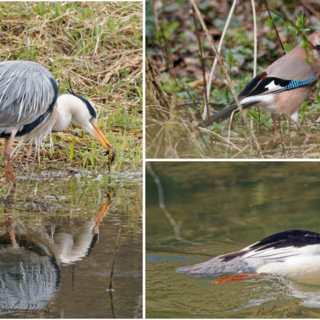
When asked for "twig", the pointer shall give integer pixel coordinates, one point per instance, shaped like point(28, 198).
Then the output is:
point(204, 141)
point(311, 9)
point(213, 103)
point(219, 137)
point(274, 26)
point(229, 130)
point(224, 145)
point(240, 152)
point(215, 59)
point(12, 50)
point(194, 139)
point(255, 47)
point(202, 65)
point(253, 137)
point(310, 149)
point(255, 39)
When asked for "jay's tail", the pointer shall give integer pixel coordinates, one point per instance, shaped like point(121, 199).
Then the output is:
point(224, 114)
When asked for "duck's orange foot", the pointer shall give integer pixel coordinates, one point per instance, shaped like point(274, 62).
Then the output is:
point(238, 277)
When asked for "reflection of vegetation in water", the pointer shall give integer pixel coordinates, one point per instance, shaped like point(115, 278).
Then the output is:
point(222, 207)
point(76, 199)
point(81, 237)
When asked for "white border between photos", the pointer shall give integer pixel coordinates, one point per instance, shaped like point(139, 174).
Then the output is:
point(144, 167)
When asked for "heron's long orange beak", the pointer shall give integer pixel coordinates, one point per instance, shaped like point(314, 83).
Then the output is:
point(101, 214)
point(107, 145)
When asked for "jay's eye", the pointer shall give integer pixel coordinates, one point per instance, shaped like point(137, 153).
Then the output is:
point(317, 47)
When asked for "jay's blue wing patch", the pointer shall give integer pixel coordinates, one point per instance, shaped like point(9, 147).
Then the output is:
point(295, 84)
point(258, 86)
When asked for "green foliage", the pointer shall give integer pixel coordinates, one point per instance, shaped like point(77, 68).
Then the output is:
point(283, 128)
point(150, 28)
point(221, 22)
point(307, 111)
point(205, 7)
point(167, 29)
point(301, 21)
point(296, 30)
point(72, 148)
point(264, 120)
point(226, 94)
point(230, 60)
point(287, 48)
point(276, 19)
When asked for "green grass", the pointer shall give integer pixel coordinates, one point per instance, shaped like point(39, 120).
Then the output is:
point(97, 44)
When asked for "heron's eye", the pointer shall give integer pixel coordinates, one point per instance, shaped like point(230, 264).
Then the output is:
point(92, 118)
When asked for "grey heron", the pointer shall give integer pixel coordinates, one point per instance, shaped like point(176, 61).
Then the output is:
point(30, 108)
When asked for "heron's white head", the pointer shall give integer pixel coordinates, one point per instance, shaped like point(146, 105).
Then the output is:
point(80, 111)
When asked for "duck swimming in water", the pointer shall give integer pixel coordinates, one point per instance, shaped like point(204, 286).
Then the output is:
point(294, 254)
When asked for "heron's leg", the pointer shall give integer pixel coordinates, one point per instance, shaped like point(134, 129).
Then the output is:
point(308, 135)
point(275, 129)
point(7, 161)
point(11, 231)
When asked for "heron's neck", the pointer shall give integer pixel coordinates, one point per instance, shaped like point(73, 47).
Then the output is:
point(64, 111)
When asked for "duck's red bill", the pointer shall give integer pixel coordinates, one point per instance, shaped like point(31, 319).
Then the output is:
point(238, 277)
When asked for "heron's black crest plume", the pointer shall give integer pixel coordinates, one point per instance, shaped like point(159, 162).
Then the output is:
point(91, 109)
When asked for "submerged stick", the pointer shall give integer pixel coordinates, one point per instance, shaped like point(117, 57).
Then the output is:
point(157, 181)
point(110, 289)
point(114, 259)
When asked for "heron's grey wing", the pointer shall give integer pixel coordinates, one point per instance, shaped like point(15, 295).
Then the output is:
point(26, 92)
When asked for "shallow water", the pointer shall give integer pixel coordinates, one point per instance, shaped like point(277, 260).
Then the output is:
point(218, 208)
point(57, 264)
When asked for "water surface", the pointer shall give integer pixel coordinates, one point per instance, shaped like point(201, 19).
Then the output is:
point(57, 263)
point(218, 208)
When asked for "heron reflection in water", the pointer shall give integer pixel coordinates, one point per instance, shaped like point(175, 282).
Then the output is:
point(30, 258)
point(30, 108)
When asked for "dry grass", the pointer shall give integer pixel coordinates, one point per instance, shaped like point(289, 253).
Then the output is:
point(175, 89)
point(99, 44)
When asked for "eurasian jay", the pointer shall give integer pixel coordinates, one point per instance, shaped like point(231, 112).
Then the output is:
point(282, 87)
